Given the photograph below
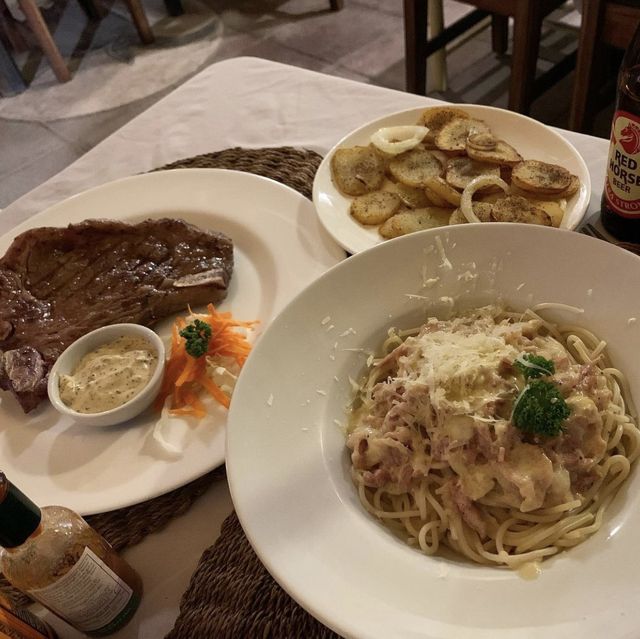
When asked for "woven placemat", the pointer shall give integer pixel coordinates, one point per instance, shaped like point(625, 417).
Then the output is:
point(294, 167)
point(232, 596)
point(126, 527)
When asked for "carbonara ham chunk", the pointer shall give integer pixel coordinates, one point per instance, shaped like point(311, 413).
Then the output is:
point(496, 434)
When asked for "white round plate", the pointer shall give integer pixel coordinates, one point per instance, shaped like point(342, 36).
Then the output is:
point(296, 501)
point(279, 248)
point(532, 139)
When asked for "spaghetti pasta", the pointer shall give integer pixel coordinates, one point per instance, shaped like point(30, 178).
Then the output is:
point(437, 456)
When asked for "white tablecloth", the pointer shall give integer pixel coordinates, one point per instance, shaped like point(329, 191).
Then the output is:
point(244, 102)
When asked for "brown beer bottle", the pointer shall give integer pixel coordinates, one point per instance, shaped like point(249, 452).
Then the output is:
point(620, 207)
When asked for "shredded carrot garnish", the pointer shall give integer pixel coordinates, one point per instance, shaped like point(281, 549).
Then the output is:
point(186, 376)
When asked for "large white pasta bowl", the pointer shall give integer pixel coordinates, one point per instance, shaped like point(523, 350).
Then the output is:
point(288, 466)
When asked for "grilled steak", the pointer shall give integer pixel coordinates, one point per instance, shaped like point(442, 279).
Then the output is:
point(56, 284)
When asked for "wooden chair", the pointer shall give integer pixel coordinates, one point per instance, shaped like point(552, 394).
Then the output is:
point(38, 26)
point(527, 17)
point(603, 23)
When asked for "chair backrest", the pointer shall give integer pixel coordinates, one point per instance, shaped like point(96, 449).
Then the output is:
point(619, 23)
point(527, 24)
point(605, 22)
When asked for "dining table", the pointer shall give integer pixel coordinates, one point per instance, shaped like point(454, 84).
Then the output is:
point(246, 103)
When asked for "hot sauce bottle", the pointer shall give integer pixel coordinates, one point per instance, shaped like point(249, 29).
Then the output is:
point(55, 557)
point(620, 207)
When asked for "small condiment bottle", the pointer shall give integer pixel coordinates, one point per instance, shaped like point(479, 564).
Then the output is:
point(18, 623)
point(55, 557)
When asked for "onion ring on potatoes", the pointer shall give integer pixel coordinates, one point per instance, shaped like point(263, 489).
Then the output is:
point(398, 139)
point(480, 182)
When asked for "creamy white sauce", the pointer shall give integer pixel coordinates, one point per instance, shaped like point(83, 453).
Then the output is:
point(109, 376)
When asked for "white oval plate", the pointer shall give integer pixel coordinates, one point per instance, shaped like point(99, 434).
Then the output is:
point(279, 248)
point(296, 501)
point(532, 139)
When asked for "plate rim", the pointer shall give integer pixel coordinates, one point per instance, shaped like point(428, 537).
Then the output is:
point(25, 225)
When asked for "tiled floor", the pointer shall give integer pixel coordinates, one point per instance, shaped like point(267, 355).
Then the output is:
point(363, 42)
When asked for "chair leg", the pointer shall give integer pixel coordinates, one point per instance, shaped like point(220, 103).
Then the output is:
point(588, 66)
point(415, 42)
point(336, 5)
point(48, 46)
point(140, 20)
point(93, 11)
point(437, 62)
point(499, 33)
point(526, 44)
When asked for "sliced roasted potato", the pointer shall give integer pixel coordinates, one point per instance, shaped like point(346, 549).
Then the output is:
point(501, 153)
point(414, 167)
point(385, 157)
point(411, 196)
point(540, 177)
point(491, 198)
point(411, 221)
point(375, 208)
point(453, 136)
point(518, 209)
point(572, 189)
point(443, 190)
point(435, 199)
point(553, 208)
point(357, 170)
point(460, 171)
point(441, 156)
point(389, 185)
point(434, 118)
point(482, 141)
point(481, 209)
point(530, 195)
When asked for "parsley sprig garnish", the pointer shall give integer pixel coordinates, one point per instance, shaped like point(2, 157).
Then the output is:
point(540, 409)
point(532, 366)
point(197, 335)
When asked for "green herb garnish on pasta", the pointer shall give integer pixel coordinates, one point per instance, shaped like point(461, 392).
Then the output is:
point(533, 366)
point(540, 409)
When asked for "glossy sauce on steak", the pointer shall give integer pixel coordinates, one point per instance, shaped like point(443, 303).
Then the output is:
point(57, 284)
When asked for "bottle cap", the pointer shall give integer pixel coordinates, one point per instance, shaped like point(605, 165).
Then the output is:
point(19, 516)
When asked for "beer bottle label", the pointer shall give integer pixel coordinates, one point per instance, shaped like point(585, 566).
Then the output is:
point(622, 184)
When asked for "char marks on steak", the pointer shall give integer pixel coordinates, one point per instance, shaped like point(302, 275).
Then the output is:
point(57, 284)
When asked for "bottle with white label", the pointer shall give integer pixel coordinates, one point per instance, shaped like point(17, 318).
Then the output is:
point(56, 558)
point(620, 205)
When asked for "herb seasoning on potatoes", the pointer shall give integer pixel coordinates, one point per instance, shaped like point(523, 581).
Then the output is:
point(449, 168)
